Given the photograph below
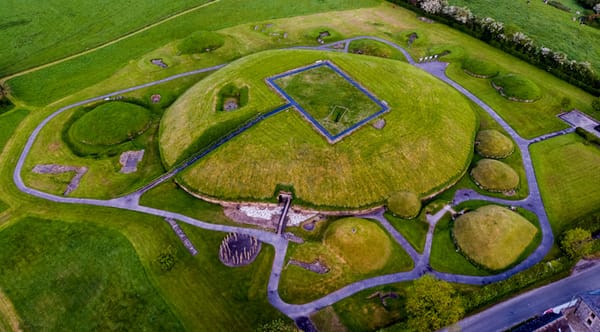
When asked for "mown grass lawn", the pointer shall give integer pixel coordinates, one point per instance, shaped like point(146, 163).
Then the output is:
point(567, 171)
point(353, 249)
point(414, 230)
point(75, 276)
point(9, 122)
point(419, 150)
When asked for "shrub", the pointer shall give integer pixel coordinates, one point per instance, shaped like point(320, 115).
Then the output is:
point(478, 68)
point(587, 135)
point(404, 204)
point(559, 5)
point(596, 104)
point(576, 243)
point(493, 144)
point(201, 42)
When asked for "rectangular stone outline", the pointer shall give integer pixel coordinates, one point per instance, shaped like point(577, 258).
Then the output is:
point(330, 138)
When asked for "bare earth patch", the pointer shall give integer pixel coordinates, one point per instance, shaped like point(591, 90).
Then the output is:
point(9, 320)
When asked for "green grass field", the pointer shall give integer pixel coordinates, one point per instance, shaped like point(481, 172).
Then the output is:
point(110, 124)
point(77, 277)
point(493, 236)
point(567, 171)
point(353, 249)
point(329, 98)
point(414, 230)
point(9, 122)
point(380, 162)
point(34, 37)
point(495, 176)
point(547, 25)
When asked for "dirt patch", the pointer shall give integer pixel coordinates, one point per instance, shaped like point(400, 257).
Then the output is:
point(383, 296)
point(58, 169)
point(9, 320)
point(129, 161)
point(239, 249)
point(316, 266)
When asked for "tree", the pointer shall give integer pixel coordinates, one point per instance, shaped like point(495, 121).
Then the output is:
point(432, 304)
point(596, 104)
point(577, 242)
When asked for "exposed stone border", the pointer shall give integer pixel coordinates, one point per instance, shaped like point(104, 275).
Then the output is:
point(181, 234)
point(58, 169)
point(316, 266)
point(478, 75)
point(501, 92)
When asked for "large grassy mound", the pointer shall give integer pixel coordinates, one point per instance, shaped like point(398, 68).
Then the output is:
point(493, 236)
point(493, 144)
point(200, 42)
point(421, 149)
point(494, 175)
point(479, 68)
point(360, 243)
point(74, 276)
point(110, 124)
point(516, 87)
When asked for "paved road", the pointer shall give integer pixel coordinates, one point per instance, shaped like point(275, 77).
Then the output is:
point(509, 313)
point(131, 202)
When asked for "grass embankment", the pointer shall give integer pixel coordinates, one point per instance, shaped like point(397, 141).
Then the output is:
point(568, 176)
point(353, 249)
point(420, 149)
point(547, 25)
point(493, 236)
point(200, 42)
point(375, 48)
point(110, 124)
point(36, 38)
point(40, 87)
point(491, 143)
point(86, 277)
point(478, 68)
point(329, 98)
point(495, 176)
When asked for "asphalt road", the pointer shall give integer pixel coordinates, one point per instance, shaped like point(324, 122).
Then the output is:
point(509, 313)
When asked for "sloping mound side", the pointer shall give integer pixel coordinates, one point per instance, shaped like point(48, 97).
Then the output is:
point(421, 149)
point(493, 144)
point(493, 236)
point(404, 204)
point(494, 175)
point(479, 68)
point(517, 88)
point(110, 124)
point(360, 243)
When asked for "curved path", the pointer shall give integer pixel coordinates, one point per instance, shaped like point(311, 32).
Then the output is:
point(421, 261)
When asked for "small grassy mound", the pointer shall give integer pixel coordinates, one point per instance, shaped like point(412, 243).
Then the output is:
point(110, 124)
point(493, 144)
point(517, 88)
point(360, 243)
point(201, 42)
point(493, 236)
point(494, 175)
point(375, 48)
point(404, 204)
point(478, 68)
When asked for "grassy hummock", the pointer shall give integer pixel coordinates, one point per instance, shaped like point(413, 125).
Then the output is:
point(110, 124)
point(479, 68)
point(493, 236)
point(493, 144)
point(201, 42)
point(517, 88)
point(404, 204)
point(375, 48)
point(495, 176)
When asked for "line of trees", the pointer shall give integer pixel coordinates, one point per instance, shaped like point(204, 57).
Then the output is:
point(495, 33)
